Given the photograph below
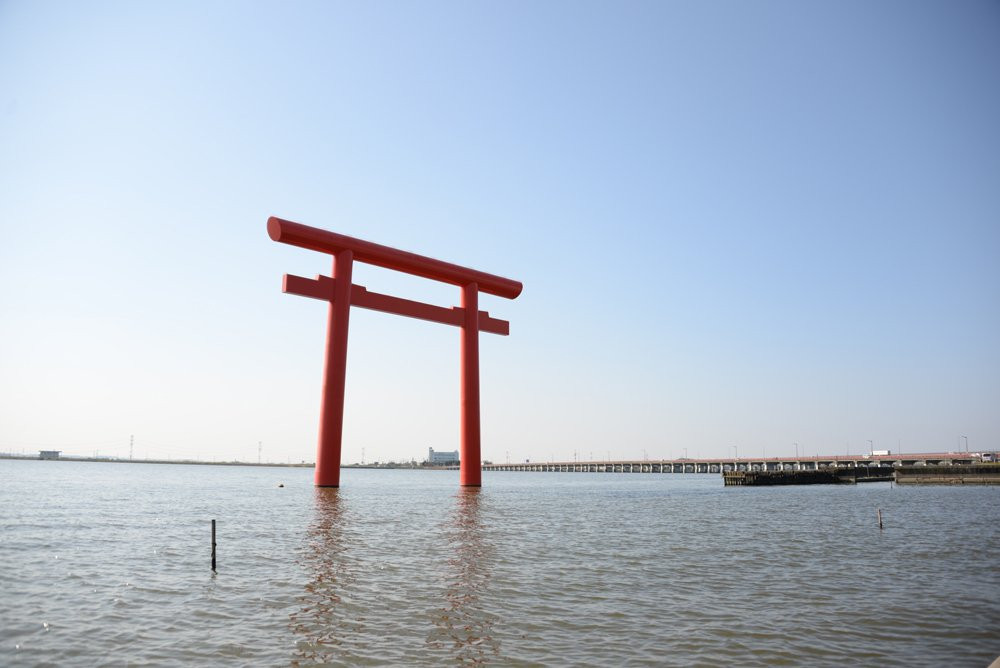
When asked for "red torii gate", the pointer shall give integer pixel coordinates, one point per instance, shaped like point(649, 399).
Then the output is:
point(342, 294)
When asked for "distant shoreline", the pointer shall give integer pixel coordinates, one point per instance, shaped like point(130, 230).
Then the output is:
point(301, 465)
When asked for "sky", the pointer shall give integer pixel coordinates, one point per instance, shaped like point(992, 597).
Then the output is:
point(747, 228)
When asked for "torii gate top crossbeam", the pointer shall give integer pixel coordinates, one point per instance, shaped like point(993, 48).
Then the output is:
point(324, 241)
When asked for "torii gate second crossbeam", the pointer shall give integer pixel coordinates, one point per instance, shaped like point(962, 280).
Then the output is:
point(341, 293)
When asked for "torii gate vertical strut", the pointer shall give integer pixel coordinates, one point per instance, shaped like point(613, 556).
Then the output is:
point(341, 293)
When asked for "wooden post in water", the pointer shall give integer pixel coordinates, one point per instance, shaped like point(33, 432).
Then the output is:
point(213, 545)
point(879, 522)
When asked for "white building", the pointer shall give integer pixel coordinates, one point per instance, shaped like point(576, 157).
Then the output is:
point(442, 458)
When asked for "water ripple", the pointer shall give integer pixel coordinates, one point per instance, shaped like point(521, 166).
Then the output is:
point(108, 564)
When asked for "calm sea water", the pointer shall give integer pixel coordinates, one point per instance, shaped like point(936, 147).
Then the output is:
point(109, 564)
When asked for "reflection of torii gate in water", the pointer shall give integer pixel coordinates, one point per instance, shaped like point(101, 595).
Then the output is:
point(342, 294)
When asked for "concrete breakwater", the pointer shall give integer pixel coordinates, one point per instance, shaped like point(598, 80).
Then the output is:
point(976, 474)
point(848, 476)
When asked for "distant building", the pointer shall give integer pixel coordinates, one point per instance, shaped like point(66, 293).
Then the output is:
point(442, 458)
point(49, 454)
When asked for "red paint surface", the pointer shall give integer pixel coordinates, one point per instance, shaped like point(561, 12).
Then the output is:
point(331, 418)
point(321, 287)
point(324, 241)
point(341, 294)
point(471, 469)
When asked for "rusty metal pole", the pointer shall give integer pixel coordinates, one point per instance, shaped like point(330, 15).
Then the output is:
point(471, 473)
point(331, 420)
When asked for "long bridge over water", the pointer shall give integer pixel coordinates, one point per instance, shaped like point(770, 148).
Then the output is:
point(719, 465)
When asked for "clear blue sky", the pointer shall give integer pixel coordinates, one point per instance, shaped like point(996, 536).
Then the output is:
point(746, 224)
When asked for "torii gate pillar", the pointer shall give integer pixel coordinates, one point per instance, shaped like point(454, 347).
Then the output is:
point(331, 417)
point(341, 294)
point(471, 469)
